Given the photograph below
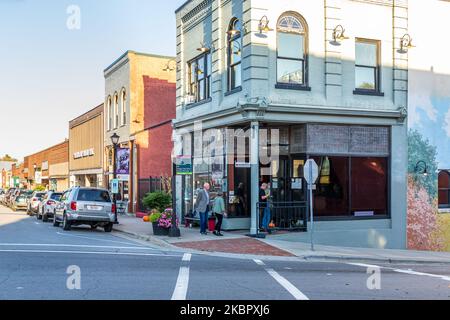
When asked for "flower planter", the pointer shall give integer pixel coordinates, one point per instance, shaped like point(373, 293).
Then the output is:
point(158, 231)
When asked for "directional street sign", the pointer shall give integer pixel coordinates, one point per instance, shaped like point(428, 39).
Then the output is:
point(311, 171)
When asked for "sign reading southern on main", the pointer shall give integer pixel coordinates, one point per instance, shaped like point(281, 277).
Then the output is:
point(83, 154)
point(184, 165)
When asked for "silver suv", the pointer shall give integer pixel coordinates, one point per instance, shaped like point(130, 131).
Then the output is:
point(81, 205)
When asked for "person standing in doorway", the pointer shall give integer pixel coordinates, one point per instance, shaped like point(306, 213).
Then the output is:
point(263, 200)
point(201, 206)
point(219, 211)
point(240, 196)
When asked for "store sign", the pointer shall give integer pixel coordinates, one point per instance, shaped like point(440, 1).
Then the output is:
point(123, 161)
point(115, 186)
point(184, 165)
point(243, 165)
point(45, 165)
point(38, 177)
point(84, 154)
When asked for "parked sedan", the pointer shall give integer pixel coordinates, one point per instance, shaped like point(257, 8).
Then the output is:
point(19, 202)
point(81, 205)
point(33, 202)
point(47, 205)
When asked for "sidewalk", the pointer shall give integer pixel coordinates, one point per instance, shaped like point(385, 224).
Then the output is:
point(237, 243)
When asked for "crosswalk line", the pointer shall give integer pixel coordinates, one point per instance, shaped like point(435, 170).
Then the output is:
point(181, 287)
point(294, 291)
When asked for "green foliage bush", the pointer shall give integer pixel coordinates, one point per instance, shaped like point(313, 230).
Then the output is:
point(157, 200)
point(39, 188)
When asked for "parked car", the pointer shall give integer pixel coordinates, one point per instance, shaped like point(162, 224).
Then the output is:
point(47, 205)
point(17, 192)
point(33, 202)
point(9, 195)
point(19, 202)
point(2, 195)
point(89, 206)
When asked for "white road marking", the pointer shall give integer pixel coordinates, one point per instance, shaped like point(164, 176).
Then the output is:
point(294, 291)
point(408, 271)
point(90, 238)
point(69, 246)
point(182, 284)
point(91, 252)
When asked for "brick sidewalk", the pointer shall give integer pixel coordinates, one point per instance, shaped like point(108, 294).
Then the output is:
point(239, 246)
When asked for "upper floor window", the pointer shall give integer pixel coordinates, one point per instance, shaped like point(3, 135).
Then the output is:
point(444, 189)
point(116, 111)
point(234, 55)
point(200, 78)
point(123, 102)
point(367, 66)
point(110, 114)
point(292, 35)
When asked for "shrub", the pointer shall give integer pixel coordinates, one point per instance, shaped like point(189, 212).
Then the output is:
point(39, 188)
point(154, 217)
point(157, 200)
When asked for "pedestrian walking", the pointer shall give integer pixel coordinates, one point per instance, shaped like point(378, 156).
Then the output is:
point(219, 211)
point(202, 207)
point(264, 195)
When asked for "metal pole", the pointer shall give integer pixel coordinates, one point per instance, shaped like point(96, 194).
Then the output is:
point(116, 220)
point(311, 206)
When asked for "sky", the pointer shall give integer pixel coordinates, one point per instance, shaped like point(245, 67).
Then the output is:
point(51, 62)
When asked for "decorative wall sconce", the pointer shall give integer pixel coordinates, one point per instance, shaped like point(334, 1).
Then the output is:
point(233, 32)
point(263, 25)
point(405, 44)
point(338, 35)
point(170, 66)
point(204, 49)
point(421, 168)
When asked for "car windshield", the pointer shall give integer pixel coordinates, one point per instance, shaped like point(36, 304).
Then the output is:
point(56, 196)
point(93, 195)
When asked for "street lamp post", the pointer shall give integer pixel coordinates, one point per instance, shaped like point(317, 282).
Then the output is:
point(115, 141)
point(174, 231)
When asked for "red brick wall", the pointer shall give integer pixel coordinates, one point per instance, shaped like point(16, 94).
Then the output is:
point(159, 110)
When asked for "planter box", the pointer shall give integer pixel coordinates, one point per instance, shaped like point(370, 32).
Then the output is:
point(158, 231)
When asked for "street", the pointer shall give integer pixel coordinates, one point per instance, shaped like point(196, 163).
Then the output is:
point(35, 257)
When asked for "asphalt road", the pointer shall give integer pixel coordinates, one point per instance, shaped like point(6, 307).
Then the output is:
point(39, 261)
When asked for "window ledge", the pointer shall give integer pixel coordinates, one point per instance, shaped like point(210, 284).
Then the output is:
point(235, 90)
point(288, 86)
point(368, 92)
point(196, 104)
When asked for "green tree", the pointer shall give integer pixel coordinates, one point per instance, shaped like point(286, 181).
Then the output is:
point(420, 149)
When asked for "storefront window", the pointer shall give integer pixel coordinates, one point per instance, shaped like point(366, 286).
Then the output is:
point(351, 186)
point(444, 189)
point(331, 197)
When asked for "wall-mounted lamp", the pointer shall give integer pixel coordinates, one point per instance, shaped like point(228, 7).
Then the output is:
point(170, 66)
point(405, 44)
point(234, 32)
point(421, 168)
point(338, 35)
point(204, 49)
point(263, 25)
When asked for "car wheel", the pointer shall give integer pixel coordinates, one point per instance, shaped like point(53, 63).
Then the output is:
point(108, 227)
point(66, 223)
point(38, 216)
point(55, 222)
point(44, 217)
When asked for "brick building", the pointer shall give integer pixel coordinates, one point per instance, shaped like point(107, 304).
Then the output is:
point(139, 107)
point(49, 167)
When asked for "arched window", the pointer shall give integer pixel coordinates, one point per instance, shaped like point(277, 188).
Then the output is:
point(292, 58)
point(116, 111)
point(110, 113)
point(234, 54)
point(444, 189)
point(123, 102)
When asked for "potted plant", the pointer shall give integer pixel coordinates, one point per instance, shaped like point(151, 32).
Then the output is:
point(161, 222)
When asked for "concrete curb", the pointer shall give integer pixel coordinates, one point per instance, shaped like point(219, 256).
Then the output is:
point(152, 239)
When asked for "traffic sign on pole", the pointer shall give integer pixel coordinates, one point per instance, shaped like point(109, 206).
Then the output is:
point(311, 173)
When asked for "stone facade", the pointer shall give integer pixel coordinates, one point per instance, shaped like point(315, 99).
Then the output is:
point(329, 96)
